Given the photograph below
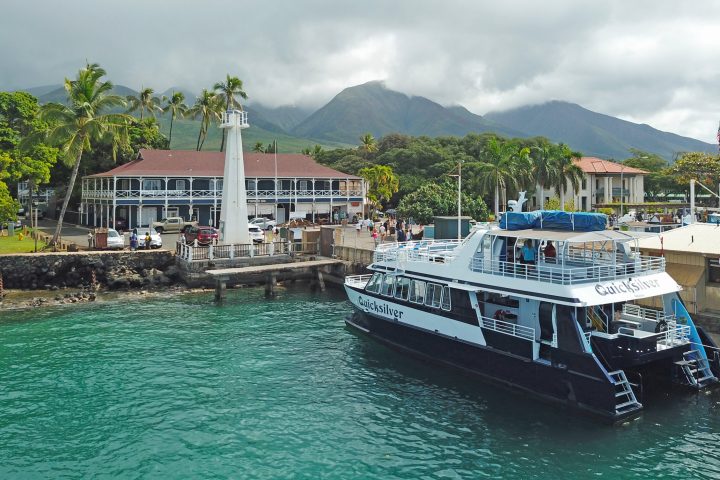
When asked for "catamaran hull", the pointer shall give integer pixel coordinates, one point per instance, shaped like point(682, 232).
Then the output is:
point(556, 384)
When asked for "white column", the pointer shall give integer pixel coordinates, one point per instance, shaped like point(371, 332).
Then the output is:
point(608, 190)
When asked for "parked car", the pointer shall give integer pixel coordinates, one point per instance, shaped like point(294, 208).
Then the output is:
point(115, 241)
point(204, 235)
point(256, 235)
point(173, 224)
point(155, 238)
point(263, 223)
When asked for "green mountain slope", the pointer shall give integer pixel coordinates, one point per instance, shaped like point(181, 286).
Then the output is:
point(285, 117)
point(373, 108)
point(595, 134)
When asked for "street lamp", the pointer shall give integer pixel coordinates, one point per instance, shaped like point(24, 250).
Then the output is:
point(622, 188)
point(459, 198)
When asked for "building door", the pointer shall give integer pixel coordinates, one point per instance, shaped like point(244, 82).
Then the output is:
point(148, 215)
point(281, 218)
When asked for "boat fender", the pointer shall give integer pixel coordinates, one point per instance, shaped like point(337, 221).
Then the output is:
point(662, 326)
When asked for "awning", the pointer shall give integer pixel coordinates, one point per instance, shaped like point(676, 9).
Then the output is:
point(685, 275)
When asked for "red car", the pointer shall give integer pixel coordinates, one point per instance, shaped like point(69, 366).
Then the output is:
point(203, 235)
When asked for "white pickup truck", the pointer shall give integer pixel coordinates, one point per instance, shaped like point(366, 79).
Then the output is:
point(172, 224)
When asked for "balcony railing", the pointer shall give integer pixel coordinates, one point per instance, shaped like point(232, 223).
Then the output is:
point(210, 194)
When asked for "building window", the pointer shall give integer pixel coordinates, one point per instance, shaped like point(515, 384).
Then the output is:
point(584, 184)
point(713, 270)
point(303, 185)
point(181, 184)
point(250, 185)
point(583, 201)
point(597, 184)
point(152, 185)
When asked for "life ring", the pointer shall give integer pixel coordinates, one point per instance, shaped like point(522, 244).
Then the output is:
point(662, 326)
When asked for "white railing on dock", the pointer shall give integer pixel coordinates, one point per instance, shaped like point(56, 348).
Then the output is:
point(191, 253)
point(569, 274)
point(520, 331)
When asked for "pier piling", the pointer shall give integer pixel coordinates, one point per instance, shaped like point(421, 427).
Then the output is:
point(220, 288)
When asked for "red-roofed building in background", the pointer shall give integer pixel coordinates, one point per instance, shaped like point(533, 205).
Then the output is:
point(188, 184)
point(601, 185)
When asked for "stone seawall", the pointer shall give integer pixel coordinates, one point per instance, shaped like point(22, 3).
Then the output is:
point(76, 269)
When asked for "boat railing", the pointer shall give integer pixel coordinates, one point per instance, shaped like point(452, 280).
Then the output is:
point(564, 273)
point(520, 331)
point(438, 251)
point(643, 313)
point(357, 281)
point(674, 335)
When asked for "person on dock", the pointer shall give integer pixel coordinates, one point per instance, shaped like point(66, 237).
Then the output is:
point(133, 240)
point(358, 227)
point(148, 239)
point(90, 239)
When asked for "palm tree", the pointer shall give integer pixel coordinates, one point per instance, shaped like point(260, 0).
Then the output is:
point(504, 164)
point(382, 183)
point(233, 87)
point(76, 126)
point(177, 108)
point(564, 171)
point(368, 143)
point(144, 101)
point(259, 147)
point(208, 107)
point(543, 156)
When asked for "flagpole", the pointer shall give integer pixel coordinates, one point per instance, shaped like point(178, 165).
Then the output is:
point(276, 180)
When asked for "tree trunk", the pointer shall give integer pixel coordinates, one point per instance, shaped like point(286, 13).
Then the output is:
point(172, 120)
point(222, 143)
point(197, 146)
point(542, 197)
point(562, 199)
point(71, 184)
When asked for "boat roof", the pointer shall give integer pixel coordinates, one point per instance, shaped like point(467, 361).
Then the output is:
point(566, 235)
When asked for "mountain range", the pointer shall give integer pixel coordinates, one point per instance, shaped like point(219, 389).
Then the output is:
point(373, 108)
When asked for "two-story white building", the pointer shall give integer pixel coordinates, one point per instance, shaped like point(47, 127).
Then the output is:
point(604, 182)
point(165, 183)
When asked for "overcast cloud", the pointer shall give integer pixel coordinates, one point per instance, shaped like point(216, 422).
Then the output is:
point(651, 62)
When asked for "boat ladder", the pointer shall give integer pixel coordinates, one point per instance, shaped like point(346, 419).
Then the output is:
point(624, 396)
point(697, 370)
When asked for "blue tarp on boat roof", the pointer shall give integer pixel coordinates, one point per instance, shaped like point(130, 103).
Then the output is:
point(554, 220)
point(520, 220)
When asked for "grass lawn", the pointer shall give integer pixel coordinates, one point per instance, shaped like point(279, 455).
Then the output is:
point(15, 245)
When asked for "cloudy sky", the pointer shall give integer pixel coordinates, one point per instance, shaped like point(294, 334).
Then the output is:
point(652, 62)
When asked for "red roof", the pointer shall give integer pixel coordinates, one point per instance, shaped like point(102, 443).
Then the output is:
point(598, 165)
point(185, 163)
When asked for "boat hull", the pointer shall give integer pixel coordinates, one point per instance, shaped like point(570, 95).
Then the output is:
point(587, 391)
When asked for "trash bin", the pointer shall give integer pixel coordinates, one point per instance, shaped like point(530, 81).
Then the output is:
point(101, 238)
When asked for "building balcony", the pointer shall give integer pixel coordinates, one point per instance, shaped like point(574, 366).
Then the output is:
point(215, 194)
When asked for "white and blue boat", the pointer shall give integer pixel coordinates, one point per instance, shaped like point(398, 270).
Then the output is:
point(588, 323)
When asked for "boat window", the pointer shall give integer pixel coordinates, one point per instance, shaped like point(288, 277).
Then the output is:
point(417, 291)
point(387, 285)
point(445, 304)
point(374, 284)
point(402, 287)
point(434, 295)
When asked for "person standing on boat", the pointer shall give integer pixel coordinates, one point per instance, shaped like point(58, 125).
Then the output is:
point(550, 252)
point(528, 253)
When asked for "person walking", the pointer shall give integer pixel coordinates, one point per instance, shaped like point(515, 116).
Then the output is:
point(358, 226)
point(133, 240)
point(148, 239)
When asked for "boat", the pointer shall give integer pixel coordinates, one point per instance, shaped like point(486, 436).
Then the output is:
point(589, 324)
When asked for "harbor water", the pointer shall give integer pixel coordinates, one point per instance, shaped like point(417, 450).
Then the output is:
point(180, 388)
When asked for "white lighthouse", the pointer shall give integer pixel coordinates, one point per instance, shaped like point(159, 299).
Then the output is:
point(233, 213)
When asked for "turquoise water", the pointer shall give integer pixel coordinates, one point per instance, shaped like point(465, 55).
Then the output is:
point(180, 388)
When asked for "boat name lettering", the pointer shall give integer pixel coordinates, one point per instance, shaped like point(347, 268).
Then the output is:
point(627, 286)
point(377, 307)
